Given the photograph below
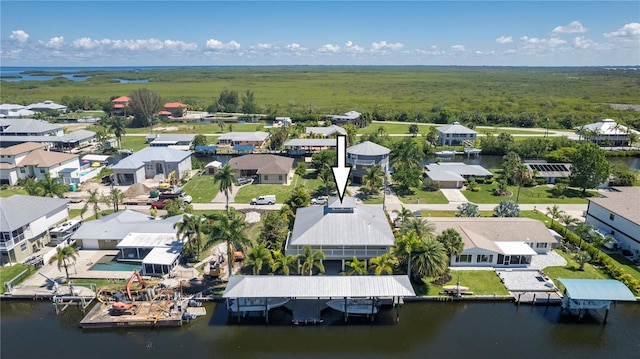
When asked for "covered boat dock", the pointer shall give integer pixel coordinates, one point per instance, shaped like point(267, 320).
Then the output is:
point(306, 296)
point(581, 295)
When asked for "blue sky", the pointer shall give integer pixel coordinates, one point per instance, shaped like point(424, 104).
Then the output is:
point(209, 33)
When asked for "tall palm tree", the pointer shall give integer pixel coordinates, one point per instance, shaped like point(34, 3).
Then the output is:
point(64, 257)
point(116, 196)
point(356, 267)
point(521, 175)
point(452, 242)
point(119, 127)
point(284, 264)
point(555, 212)
point(422, 228)
point(257, 257)
point(383, 264)
point(230, 229)
point(372, 179)
point(310, 260)
point(567, 220)
point(94, 200)
point(51, 186)
point(224, 177)
point(405, 246)
point(429, 259)
point(403, 213)
point(190, 229)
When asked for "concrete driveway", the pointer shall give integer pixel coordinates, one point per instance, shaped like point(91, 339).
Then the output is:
point(454, 195)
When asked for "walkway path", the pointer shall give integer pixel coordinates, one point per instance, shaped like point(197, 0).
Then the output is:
point(454, 195)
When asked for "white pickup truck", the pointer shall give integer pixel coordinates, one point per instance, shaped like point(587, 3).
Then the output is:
point(268, 199)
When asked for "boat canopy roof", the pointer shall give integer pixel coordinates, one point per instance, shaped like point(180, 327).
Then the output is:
point(318, 286)
point(597, 289)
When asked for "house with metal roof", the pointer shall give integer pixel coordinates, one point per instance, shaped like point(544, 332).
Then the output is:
point(326, 131)
point(178, 141)
point(617, 213)
point(47, 106)
point(364, 155)
point(454, 174)
point(551, 172)
point(30, 160)
point(255, 139)
point(348, 117)
point(28, 127)
point(341, 230)
point(606, 133)
point(152, 162)
point(8, 110)
point(309, 146)
point(582, 295)
point(265, 169)
point(24, 224)
point(455, 134)
point(497, 242)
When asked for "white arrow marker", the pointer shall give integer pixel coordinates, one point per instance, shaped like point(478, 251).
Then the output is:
point(341, 173)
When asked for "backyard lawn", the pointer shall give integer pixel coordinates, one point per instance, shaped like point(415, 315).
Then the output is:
point(135, 143)
point(201, 188)
point(628, 266)
point(200, 128)
point(480, 282)
point(528, 195)
point(7, 273)
point(571, 270)
point(246, 193)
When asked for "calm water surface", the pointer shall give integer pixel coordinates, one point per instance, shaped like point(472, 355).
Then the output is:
point(427, 329)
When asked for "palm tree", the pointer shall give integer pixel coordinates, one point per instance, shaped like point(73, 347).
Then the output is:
point(372, 179)
point(32, 187)
point(310, 260)
point(257, 257)
point(119, 127)
point(583, 257)
point(422, 228)
point(95, 200)
point(64, 257)
point(567, 220)
point(406, 245)
point(224, 177)
point(382, 264)
point(116, 196)
point(403, 213)
point(468, 209)
point(230, 229)
point(521, 176)
point(584, 231)
point(51, 187)
point(555, 212)
point(356, 266)
point(452, 241)
point(284, 263)
point(190, 228)
point(429, 259)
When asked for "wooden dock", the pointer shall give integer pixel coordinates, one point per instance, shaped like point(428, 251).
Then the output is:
point(143, 314)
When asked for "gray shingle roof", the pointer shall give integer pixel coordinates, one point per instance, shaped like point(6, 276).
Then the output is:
point(326, 131)
point(368, 148)
point(19, 210)
point(264, 164)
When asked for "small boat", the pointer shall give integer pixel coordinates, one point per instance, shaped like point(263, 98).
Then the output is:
point(240, 305)
point(355, 305)
point(445, 153)
point(472, 151)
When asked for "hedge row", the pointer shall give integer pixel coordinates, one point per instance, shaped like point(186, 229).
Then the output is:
point(609, 265)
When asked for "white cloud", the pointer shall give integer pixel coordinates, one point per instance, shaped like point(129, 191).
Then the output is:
point(504, 40)
point(572, 28)
point(541, 43)
point(55, 42)
point(383, 45)
point(581, 42)
point(329, 48)
point(262, 46)
point(351, 47)
point(433, 50)
point(458, 48)
point(19, 35)
point(214, 44)
point(629, 31)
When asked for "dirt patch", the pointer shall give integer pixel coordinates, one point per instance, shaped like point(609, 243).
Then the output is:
point(252, 217)
point(620, 106)
point(166, 129)
point(136, 190)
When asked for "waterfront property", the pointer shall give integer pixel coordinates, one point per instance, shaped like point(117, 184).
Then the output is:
point(328, 131)
point(497, 242)
point(341, 231)
point(8, 110)
point(581, 295)
point(551, 172)
point(158, 252)
point(175, 109)
point(364, 155)
point(254, 139)
point(176, 141)
point(266, 169)
point(348, 117)
point(47, 106)
point(151, 162)
point(25, 221)
point(16, 131)
point(616, 213)
point(455, 134)
point(308, 146)
point(454, 174)
point(606, 133)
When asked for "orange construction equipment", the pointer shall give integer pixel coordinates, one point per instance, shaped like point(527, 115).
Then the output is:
point(136, 274)
point(121, 306)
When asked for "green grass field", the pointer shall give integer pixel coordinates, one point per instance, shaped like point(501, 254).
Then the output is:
point(528, 195)
point(201, 188)
point(11, 191)
point(246, 193)
point(135, 143)
point(480, 282)
point(8, 273)
point(423, 197)
point(571, 270)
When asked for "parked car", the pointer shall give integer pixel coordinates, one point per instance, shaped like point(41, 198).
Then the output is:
point(319, 200)
point(244, 180)
point(159, 204)
point(268, 199)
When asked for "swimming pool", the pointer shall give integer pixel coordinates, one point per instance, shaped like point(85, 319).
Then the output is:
point(109, 263)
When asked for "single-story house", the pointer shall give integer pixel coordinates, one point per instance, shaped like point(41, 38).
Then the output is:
point(454, 174)
point(551, 172)
point(8, 110)
point(30, 160)
point(177, 141)
point(256, 139)
point(607, 133)
point(364, 155)
point(269, 169)
point(309, 146)
point(28, 127)
point(341, 231)
point(176, 108)
point(455, 134)
point(47, 106)
point(24, 224)
point(497, 242)
point(151, 162)
point(617, 213)
point(348, 117)
point(327, 131)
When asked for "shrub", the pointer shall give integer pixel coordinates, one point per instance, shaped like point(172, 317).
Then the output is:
point(430, 185)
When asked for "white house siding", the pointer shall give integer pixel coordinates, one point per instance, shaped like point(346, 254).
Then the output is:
point(97, 244)
point(626, 232)
point(277, 178)
point(9, 176)
point(474, 252)
point(184, 166)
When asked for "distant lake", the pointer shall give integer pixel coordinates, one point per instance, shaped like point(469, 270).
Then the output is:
point(15, 74)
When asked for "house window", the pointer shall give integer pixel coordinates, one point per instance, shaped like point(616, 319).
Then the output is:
point(280, 177)
point(541, 245)
point(464, 258)
point(266, 177)
point(612, 216)
point(42, 170)
point(22, 170)
point(23, 247)
point(483, 258)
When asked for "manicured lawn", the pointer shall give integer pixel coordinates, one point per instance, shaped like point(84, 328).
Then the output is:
point(309, 182)
point(135, 143)
point(201, 188)
point(527, 214)
point(628, 266)
point(395, 128)
point(200, 128)
point(571, 270)
point(246, 193)
point(7, 273)
point(528, 195)
point(73, 213)
point(480, 282)
point(423, 197)
point(496, 131)
point(11, 191)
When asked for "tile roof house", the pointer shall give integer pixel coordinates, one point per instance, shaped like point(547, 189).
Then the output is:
point(364, 155)
point(455, 134)
point(267, 169)
point(120, 104)
point(24, 223)
point(617, 213)
point(497, 242)
point(606, 132)
point(151, 162)
point(30, 160)
point(341, 231)
point(176, 108)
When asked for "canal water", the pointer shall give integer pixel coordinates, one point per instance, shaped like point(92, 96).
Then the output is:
point(31, 329)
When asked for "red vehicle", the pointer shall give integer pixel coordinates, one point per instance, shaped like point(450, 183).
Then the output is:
point(159, 204)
